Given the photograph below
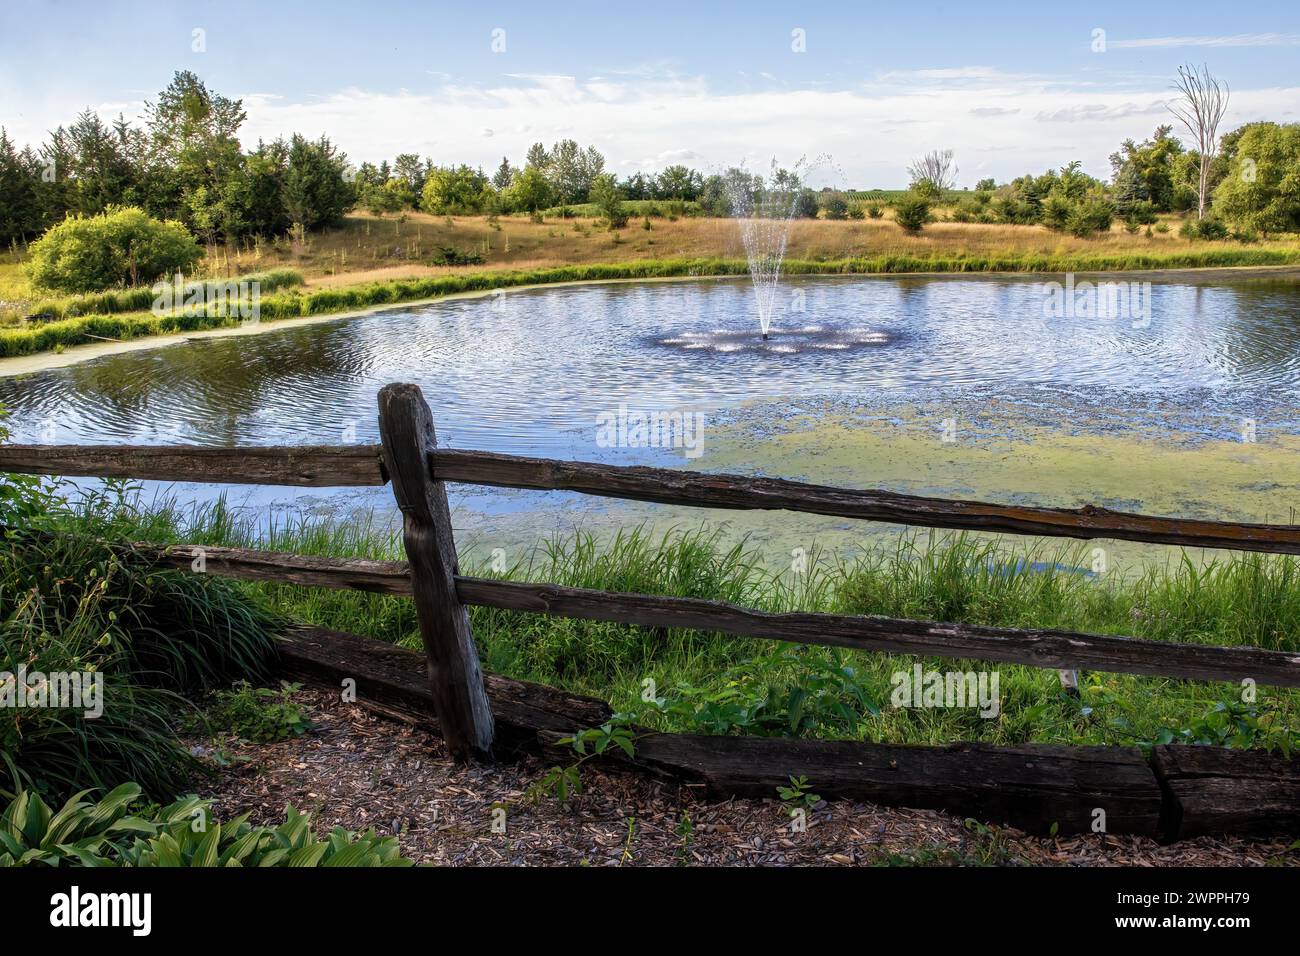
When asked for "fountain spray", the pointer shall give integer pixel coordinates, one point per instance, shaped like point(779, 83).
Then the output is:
point(764, 209)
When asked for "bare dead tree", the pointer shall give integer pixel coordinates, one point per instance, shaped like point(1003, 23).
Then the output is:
point(934, 172)
point(1202, 101)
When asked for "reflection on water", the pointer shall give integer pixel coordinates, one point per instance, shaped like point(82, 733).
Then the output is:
point(529, 371)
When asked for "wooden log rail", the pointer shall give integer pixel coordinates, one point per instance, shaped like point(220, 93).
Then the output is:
point(1175, 792)
point(1034, 648)
point(345, 465)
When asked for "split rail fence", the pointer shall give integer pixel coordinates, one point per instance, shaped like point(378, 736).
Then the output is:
point(1171, 792)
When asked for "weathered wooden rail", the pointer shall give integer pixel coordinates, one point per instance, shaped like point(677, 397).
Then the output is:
point(1032, 786)
point(360, 465)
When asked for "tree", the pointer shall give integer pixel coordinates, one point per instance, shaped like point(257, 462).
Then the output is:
point(316, 190)
point(530, 191)
point(933, 174)
point(122, 246)
point(1201, 103)
point(912, 212)
point(1094, 213)
point(262, 197)
point(835, 206)
point(391, 196)
point(504, 175)
point(641, 186)
point(571, 170)
point(713, 196)
point(537, 157)
point(1145, 171)
point(192, 142)
point(453, 189)
point(20, 202)
point(805, 205)
point(407, 166)
point(103, 163)
point(609, 200)
point(1261, 190)
point(679, 182)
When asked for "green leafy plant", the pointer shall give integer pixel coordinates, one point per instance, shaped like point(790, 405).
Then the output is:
point(124, 246)
point(798, 794)
point(76, 603)
point(685, 832)
point(562, 781)
point(1232, 723)
point(912, 212)
point(791, 693)
point(106, 833)
point(259, 714)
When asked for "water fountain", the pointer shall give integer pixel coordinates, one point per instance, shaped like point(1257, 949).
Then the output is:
point(764, 209)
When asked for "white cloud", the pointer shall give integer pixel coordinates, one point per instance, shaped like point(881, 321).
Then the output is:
point(644, 122)
point(1104, 111)
point(1234, 40)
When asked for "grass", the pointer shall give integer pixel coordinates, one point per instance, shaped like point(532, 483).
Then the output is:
point(75, 605)
point(726, 684)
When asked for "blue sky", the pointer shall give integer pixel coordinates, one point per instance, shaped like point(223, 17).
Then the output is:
point(1009, 87)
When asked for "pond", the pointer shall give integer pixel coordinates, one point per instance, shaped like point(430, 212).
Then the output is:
point(530, 371)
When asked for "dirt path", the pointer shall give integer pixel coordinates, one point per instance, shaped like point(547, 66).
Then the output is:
point(358, 771)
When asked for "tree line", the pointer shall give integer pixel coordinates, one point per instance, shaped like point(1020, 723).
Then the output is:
point(185, 163)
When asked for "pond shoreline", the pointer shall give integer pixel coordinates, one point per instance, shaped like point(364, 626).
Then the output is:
point(43, 361)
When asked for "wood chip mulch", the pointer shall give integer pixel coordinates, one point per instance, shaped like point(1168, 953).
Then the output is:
point(358, 771)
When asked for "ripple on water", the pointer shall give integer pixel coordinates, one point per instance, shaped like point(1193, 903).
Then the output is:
point(531, 372)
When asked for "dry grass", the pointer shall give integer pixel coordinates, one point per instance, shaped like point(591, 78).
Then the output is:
point(365, 248)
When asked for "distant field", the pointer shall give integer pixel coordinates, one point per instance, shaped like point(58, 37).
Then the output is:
point(365, 248)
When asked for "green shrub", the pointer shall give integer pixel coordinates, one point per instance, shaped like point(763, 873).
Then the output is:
point(1056, 211)
point(123, 246)
point(912, 212)
point(874, 211)
point(609, 200)
point(1091, 215)
point(1207, 229)
point(835, 206)
point(183, 834)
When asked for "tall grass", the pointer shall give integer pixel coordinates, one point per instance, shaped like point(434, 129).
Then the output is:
point(1250, 599)
point(75, 604)
point(141, 298)
point(293, 303)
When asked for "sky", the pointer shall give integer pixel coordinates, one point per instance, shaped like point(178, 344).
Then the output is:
point(858, 88)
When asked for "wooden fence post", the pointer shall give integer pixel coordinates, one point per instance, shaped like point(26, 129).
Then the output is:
point(459, 698)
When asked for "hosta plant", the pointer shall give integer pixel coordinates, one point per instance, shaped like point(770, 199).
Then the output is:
point(106, 833)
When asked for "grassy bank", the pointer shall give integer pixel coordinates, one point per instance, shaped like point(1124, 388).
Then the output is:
point(290, 302)
point(722, 684)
